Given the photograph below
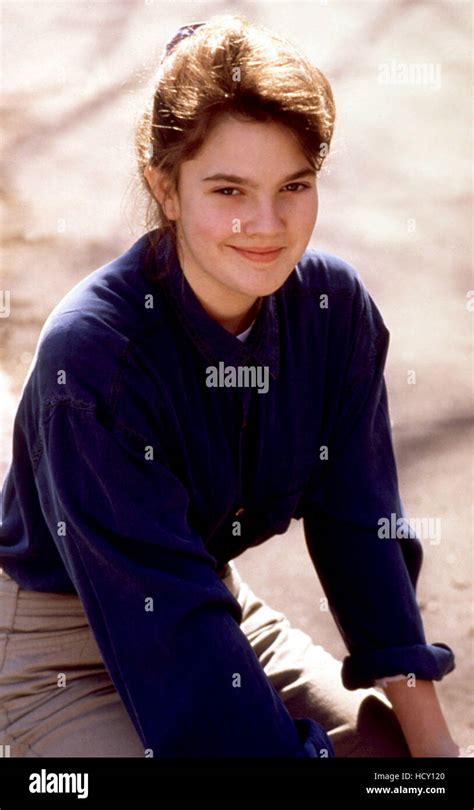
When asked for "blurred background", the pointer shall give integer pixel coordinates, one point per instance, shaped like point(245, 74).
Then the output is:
point(395, 201)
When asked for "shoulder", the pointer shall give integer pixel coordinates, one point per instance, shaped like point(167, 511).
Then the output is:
point(87, 335)
point(324, 287)
point(319, 272)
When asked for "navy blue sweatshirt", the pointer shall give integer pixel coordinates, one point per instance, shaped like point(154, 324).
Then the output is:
point(151, 446)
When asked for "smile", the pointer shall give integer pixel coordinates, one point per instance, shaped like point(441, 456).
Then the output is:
point(260, 255)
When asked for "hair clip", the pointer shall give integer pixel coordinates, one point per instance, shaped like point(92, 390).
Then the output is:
point(182, 33)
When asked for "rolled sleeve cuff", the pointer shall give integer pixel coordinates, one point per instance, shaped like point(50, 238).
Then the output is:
point(382, 682)
point(430, 662)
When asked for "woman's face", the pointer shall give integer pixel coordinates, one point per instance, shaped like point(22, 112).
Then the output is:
point(250, 188)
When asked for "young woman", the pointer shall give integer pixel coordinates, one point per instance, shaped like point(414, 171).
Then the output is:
point(187, 400)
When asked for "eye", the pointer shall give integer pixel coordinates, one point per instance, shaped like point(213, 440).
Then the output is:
point(292, 186)
point(227, 191)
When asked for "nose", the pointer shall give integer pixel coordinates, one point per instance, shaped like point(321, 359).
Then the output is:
point(264, 219)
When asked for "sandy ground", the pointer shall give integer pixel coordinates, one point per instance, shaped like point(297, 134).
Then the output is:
point(395, 201)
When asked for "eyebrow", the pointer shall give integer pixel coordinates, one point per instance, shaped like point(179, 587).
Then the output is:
point(244, 181)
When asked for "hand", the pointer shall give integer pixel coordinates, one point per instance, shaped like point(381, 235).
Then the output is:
point(438, 748)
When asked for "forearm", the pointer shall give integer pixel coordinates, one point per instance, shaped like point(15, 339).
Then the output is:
point(421, 718)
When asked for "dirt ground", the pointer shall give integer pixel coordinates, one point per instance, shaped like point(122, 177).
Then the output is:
point(394, 200)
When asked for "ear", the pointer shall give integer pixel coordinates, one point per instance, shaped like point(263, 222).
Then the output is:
point(162, 189)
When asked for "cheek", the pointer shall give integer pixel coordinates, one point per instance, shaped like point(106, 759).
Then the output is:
point(213, 221)
point(306, 212)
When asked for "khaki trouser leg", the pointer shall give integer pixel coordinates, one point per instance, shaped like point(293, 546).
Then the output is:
point(45, 638)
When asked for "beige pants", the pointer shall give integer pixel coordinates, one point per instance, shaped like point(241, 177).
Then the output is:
point(44, 634)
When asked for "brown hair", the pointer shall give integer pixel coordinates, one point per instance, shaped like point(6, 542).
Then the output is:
point(229, 65)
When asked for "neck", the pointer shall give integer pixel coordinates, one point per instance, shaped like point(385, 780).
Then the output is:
point(241, 323)
point(234, 319)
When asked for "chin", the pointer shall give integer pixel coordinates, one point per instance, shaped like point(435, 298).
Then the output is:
point(255, 289)
point(264, 286)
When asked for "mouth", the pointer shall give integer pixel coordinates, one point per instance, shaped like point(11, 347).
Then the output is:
point(259, 255)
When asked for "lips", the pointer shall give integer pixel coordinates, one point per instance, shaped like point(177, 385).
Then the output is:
point(261, 254)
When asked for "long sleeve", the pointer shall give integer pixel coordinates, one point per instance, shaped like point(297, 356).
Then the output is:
point(166, 625)
point(365, 553)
